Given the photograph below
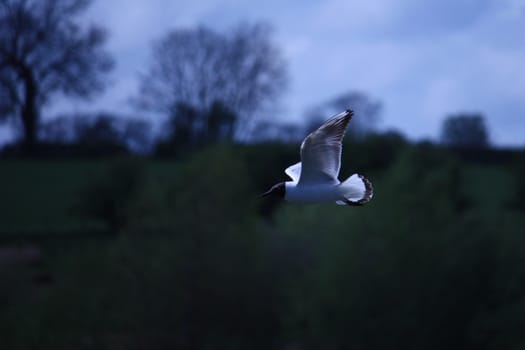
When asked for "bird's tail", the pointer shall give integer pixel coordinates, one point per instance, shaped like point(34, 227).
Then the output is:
point(356, 190)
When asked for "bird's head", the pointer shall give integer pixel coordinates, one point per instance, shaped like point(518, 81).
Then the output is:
point(278, 190)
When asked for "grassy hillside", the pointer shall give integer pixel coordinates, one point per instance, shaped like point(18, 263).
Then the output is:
point(184, 254)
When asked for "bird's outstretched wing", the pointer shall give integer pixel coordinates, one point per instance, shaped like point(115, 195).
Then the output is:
point(294, 171)
point(321, 151)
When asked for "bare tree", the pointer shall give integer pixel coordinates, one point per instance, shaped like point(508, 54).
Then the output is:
point(44, 51)
point(367, 112)
point(197, 70)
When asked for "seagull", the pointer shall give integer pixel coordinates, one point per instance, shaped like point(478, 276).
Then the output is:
point(315, 177)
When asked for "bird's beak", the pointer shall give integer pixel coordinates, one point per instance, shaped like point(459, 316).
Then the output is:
point(267, 193)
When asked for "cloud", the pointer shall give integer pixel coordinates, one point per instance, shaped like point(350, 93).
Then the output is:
point(134, 23)
point(425, 60)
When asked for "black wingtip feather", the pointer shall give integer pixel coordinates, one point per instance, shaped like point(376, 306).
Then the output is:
point(340, 121)
point(369, 191)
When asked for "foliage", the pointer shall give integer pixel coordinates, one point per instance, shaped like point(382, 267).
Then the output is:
point(411, 270)
point(119, 197)
point(187, 132)
point(465, 130)
point(102, 131)
point(215, 175)
point(37, 196)
point(518, 171)
point(435, 260)
point(373, 151)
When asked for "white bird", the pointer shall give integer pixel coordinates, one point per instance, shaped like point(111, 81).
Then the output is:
point(315, 178)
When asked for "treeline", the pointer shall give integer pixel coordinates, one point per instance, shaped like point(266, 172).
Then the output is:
point(210, 85)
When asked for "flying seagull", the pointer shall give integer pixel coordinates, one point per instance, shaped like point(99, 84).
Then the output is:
point(315, 178)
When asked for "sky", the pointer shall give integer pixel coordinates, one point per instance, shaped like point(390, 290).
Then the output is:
point(424, 60)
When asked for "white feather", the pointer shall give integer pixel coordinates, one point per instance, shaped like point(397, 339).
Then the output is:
point(294, 171)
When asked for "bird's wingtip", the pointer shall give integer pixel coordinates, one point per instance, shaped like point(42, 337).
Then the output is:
point(349, 112)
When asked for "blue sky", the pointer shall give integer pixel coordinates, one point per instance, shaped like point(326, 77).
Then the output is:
point(423, 60)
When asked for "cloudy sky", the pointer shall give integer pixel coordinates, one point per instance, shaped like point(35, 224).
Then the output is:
point(422, 59)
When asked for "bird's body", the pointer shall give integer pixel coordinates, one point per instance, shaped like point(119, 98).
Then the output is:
point(325, 192)
point(312, 193)
point(315, 178)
